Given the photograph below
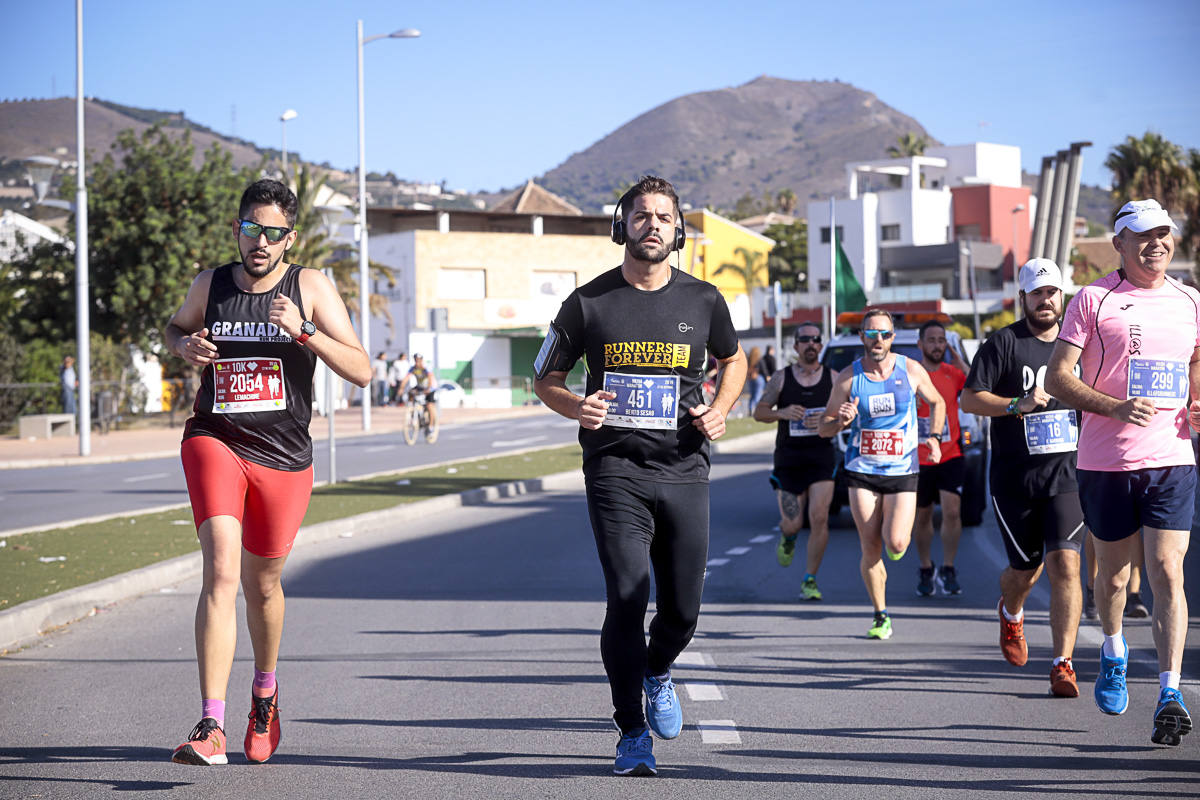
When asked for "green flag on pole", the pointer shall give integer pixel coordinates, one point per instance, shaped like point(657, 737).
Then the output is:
point(850, 295)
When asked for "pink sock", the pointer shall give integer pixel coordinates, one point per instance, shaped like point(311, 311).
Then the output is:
point(264, 683)
point(214, 709)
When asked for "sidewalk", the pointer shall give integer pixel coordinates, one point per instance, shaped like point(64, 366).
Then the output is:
point(160, 442)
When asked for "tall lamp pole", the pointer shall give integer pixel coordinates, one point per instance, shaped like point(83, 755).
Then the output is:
point(82, 320)
point(283, 119)
point(1018, 311)
point(364, 295)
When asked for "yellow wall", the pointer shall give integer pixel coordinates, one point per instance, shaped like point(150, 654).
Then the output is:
point(723, 237)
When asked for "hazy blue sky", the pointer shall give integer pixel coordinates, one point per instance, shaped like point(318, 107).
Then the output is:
point(494, 93)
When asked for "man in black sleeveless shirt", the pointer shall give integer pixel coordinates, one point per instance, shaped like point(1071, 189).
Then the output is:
point(804, 462)
point(256, 329)
point(644, 328)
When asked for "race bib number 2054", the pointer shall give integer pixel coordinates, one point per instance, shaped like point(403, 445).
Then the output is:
point(241, 385)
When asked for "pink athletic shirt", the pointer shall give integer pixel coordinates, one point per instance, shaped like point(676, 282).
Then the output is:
point(1135, 342)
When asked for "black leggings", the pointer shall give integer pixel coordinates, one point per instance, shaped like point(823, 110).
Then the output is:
point(639, 524)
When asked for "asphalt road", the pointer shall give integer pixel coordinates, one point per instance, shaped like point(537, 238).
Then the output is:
point(458, 657)
point(50, 495)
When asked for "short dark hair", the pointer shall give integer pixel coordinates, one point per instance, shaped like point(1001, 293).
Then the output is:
point(878, 312)
point(649, 184)
point(269, 192)
point(933, 323)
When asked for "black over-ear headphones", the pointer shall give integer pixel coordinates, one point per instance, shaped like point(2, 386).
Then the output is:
point(618, 225)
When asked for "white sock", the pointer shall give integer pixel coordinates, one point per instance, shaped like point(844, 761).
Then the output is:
point(1168, 680)
point(1061, 659)
point(1020, 615)
point(1114, 646)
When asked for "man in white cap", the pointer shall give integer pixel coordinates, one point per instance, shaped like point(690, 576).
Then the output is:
point(1136, 334)
point(1032, 478)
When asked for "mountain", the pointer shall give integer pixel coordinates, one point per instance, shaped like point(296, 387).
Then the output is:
point(766, 135)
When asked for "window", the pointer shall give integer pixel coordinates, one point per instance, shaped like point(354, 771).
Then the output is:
point(461, 284)
point(825, 234)
point(890, 233)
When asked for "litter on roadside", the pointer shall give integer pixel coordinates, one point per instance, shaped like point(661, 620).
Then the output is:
point(49, 559)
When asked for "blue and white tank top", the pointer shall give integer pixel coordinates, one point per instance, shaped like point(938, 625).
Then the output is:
point(883, 436)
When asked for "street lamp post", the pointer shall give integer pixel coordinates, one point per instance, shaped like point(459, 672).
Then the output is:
point(1017, 310)
point(283, 119)
point(82, 317)
point(969, 252)
point(364, 310)
point(330, 217)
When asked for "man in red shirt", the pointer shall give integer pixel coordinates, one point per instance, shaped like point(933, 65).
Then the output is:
point(942, 481)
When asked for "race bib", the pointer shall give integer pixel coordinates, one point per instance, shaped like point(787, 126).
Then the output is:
point(881, 405)
point(642, 401)
point(248, 384)
point(799, 427)
point(1051, 432)
point(923, 429)
point(882, 444)
point(1165, 382)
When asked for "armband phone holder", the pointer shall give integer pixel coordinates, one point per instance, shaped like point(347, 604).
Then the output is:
point(554, 355)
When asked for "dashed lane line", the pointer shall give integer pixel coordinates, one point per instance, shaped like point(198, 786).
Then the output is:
point(766, 537)
point(717, 562)
point(151, 477)
point(718, 731)
point(737, 551)
point(703, 692)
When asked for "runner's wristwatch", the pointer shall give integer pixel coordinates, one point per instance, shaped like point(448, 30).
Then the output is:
point(307, 329)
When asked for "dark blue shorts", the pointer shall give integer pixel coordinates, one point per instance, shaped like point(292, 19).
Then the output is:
point(1117, 505)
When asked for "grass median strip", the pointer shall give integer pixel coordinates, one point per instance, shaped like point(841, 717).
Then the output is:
point(34, 565)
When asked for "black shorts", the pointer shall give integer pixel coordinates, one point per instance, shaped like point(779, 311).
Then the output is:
point(947, 476)
point(1034, 526)
point(1117, 504)
point(798, 477)
point(882, 484)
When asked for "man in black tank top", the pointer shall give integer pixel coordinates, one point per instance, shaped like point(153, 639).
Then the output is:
point(256, 329)
point(804, 462)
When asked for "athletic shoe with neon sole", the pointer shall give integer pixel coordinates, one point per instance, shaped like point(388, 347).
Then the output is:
point(947, 579)
point(205, 745)
point(663, 713)
point(925, 581)
point(263, 731)
point(881, 627)
point(809, 589)
point(1112, 695)
point(635, 754)
point(1012, 638)
point(1171, 719)
point(785, 551)
point(1062, 680)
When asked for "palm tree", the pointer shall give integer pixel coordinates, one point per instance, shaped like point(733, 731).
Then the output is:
point(786, 200)
point(753, 266)
point(908, 145)
point(1151, 167)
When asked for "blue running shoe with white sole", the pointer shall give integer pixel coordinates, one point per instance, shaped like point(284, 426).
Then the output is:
point(1171, 719)
point(635, 754)
point(1112, 696)
point(662, 707)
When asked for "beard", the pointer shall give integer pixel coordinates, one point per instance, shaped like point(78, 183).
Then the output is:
point(877, 354)
point(255, 271)
point(1032, 318)
point(935, 356)
point(649, 251)
point(808, 356)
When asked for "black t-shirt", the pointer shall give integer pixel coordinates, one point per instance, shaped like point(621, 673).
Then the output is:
point(1010, 364)
point(621, 329)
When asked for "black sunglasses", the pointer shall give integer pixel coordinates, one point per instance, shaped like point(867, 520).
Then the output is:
point(252, 230)
point(807, 339)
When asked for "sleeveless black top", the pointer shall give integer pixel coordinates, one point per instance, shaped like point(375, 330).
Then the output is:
point(791, 450)
point(257, 397)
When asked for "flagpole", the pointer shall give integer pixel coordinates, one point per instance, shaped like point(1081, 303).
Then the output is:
point(832, 270)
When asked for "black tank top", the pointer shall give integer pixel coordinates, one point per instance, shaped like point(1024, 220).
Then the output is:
point(257, 398)
point(794, 449)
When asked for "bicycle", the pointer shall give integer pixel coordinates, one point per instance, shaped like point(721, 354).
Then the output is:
point(418, 421)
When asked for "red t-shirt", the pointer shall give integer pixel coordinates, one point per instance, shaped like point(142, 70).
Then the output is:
point(949, 381)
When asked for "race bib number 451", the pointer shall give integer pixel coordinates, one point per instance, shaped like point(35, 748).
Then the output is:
point(642, 401)
point(248, 384)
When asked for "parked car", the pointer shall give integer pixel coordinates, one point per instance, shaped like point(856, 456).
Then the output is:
point(842, 350)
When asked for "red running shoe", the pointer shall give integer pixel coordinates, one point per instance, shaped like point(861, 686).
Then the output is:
point(1012, 638)
point(1062, 680)
point(205, 745)
point(263, 733)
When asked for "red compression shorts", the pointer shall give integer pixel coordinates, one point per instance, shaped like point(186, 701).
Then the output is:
point(269, 503)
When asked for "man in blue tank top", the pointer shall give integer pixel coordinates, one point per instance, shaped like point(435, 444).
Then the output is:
point(876, 397)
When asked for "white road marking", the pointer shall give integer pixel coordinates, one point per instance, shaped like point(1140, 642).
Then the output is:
point(717, 562)
point(701, 692)
point(380, 447)
point(766, 537)
point(718, 731)
point(151, 477)
point(737, 551)
point(694, 658)
point(517, 442)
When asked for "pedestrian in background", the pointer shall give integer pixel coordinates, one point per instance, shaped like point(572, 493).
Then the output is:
point(69, 382)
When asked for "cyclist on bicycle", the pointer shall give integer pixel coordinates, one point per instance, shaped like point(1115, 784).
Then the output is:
point(420, 379)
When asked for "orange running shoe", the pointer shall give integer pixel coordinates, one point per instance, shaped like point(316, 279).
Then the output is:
point(1012, 638)
point(205, 745)
point(263, 733)
point(1062, 680)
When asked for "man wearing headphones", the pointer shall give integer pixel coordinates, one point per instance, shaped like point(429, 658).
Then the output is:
point(644, 328)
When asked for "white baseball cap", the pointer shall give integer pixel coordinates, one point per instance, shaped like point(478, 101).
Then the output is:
point(1142, 215)
point(1039, 272)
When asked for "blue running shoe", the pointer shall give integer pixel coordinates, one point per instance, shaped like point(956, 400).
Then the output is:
point(1112, 696)
point(662, 707)
point(1171, 719)
point(635, 754)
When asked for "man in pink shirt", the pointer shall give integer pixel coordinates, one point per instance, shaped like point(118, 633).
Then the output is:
point(1136, 334)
